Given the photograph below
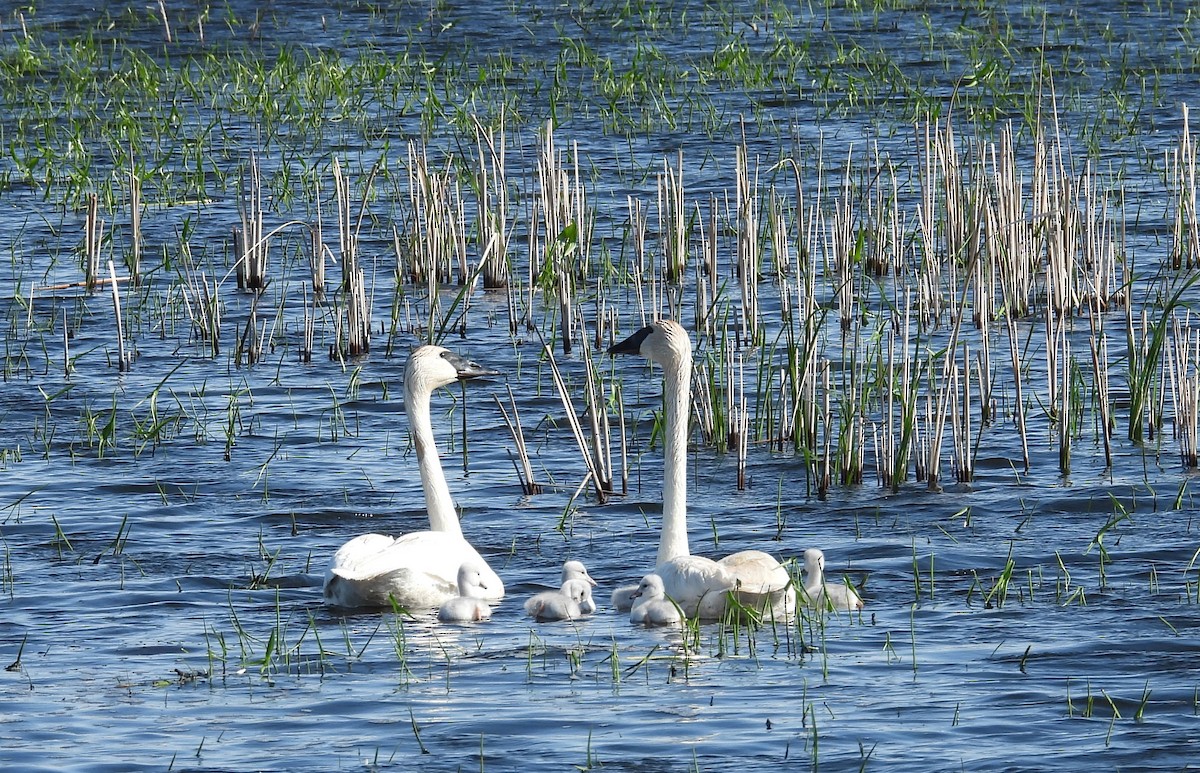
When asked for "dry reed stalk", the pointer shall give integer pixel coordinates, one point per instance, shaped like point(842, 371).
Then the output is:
point(135, 225)
point(525, 470)
point(1062, 238)
point(707, 284)
point(601, 431)
point(602, 488)
point(249, 246)
point(201, 301)
point(824, 458)
point(1009, 234)
point(317, 249)
point(749, 252)
point(494, 225)
point(672, 226)
point(842, 247)
point(740, 422)
point(1098, 344)
point(533, 260)
point(637, 231)
point(92, 234)
point(929, 272)
point(938, 399)
point(308, 331)
point(1181, 172)
point(355, 298)
point(805, 343)
point(899, 404)
point(1101, 246)
point(1066, 408)
point(1009, 238)
point(431, 239)
point(251, 342)
point(957, 425)
point(162, 12)
point(1183, 358)
point(124, 361)
point(705, 414)
point(568, 227)
point(781, 255)
point(851, 440)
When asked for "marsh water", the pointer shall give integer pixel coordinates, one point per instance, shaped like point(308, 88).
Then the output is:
point(165, 527)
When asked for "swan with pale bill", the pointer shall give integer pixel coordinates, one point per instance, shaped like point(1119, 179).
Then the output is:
point(701, 586)
point(418, 570)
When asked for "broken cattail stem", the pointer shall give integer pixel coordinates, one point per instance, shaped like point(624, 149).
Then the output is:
point(124, 362)
point(573, 420)
point(525, 470)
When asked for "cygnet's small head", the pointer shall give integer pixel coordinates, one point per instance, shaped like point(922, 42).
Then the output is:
point(814, 560)
point(664, 341)
point(575, 570)
point(430, 367)
point(651, 587)
point(576, 590)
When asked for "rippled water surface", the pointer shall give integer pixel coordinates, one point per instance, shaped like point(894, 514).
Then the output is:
point(160, 592)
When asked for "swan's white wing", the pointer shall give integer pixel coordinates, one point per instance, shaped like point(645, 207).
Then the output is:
point(756, 572)
point(697, 584)
point(355, 559)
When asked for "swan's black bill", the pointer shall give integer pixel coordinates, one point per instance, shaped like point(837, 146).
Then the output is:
point(467, 369)
point(632, 344)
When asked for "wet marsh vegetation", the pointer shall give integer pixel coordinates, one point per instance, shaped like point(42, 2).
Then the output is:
point(939, 263)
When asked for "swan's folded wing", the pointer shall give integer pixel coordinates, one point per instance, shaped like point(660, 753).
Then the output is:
point(696, 584)
point(353, 560)
point(374, 555)
point(756, 572)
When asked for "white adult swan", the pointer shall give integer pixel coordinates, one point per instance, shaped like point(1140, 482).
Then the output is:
point(697, 584)
point(419, 570)
point(575, 570)
point(822, 595)
point(566, 603)
point(469, 605)
point(651, 605)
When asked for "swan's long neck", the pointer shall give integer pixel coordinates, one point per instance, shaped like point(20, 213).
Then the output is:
point(677, 390)
point(442, 516)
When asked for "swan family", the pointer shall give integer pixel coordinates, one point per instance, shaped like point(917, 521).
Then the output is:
point(439, 569)
point(700, 586)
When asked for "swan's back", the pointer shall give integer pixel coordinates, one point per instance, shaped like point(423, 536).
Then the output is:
point(418, 570)
point(698, 585)
point(760, 582)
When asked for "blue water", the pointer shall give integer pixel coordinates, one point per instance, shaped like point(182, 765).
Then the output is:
point(160, 595)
